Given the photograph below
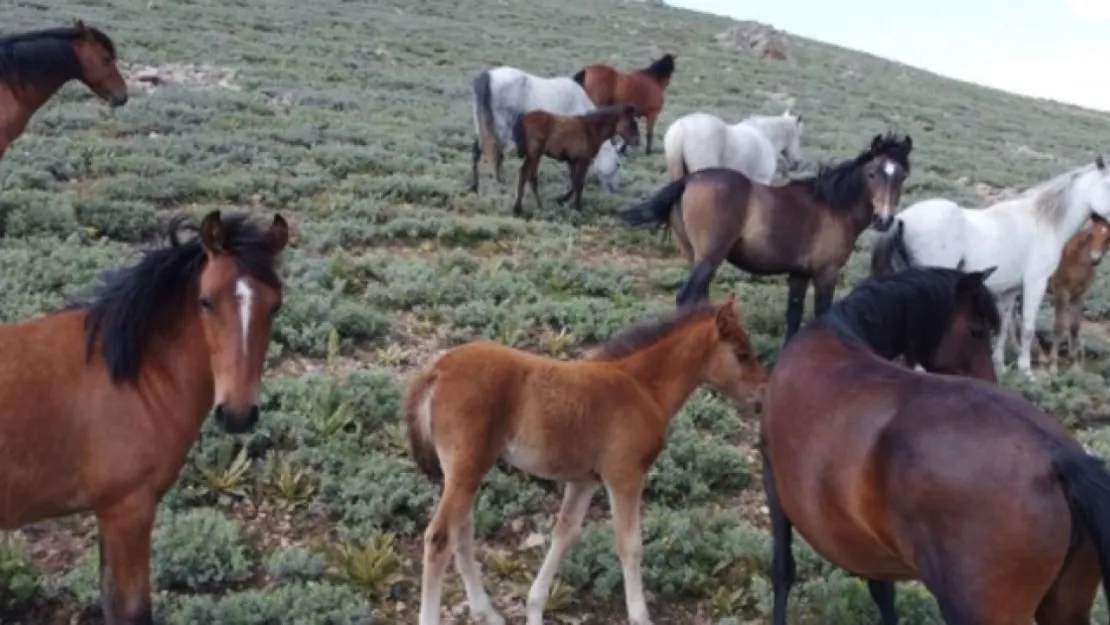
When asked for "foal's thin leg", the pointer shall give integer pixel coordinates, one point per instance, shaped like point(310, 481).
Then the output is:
point(1075, 343)
point(882, 593)
point(1059, 327)
point(783, 567)
point(521, 177)
point(534, 182)
point(624, 499)
point(125, 557)
point(568, 528)
point(570, 181)
point(466, 563)
point(454, 507)
point(795, 304)
point(578, 181)
point(649, 130)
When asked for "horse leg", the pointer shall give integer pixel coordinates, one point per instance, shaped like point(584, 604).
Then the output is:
point(475, 158)
point(570, 181)
point(568, 528)
point(443, 536)
point(1059, 327)
point(783, 566)
point(696, 287)
point(795, 304)
point(624, 500)
point(534, 182)
point(1032, 293)
point(578, 181)
point(649, 130)
point(124, 541)
point(466, 563)
point(882, 593)
point(498, 161)
point(521, 177)
point(1072, 595)
point(1006, 312)
point(1075, 342)
point(824, 288)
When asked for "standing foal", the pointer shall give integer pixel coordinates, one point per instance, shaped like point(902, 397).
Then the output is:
point(598, 420)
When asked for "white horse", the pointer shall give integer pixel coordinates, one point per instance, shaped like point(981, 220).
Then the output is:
point(752, 146)
point(504, 93)
point(1022, 236)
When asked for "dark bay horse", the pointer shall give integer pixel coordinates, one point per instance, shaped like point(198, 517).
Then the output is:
point(571, 139)
point(643, 88)
point(101, 402)
point(805, 228)
point(893, 474)
point(35, 65)
point(599, 420)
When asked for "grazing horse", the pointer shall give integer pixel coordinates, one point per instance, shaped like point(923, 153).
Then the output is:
point(1068, 288)
point(504, 93)
point(101, 402)
point(35, 65)
point(1023, 236)
point(643, 88)
point(573, 140)
point(894, 475)
point(600, 420)
point(751, 147)
point(805, 228)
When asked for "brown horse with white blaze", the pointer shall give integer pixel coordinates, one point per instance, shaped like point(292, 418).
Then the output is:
point(571, 139)
point(101, 402)
point(599, 420)
point(35, 65)
point(805, 228)
point(893, 474)
point(643, 88)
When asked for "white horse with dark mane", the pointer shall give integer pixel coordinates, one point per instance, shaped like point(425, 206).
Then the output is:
point(504, 93)
point(751, 146)
point(1023, 237)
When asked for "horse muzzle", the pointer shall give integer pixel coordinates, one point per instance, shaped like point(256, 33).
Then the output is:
point(237, 422)
point(117, 100)
point(881, 223)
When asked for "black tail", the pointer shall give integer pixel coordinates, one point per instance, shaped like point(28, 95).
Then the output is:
point(890, 253)
point(580, 77)
point(657, 209)
point(1086, 485)
point(483, 110)
point(519, 136)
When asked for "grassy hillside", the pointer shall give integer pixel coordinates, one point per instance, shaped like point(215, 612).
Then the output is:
point(353, 120)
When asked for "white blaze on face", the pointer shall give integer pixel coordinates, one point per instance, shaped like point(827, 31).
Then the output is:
point(245, 295)
point(889, 168)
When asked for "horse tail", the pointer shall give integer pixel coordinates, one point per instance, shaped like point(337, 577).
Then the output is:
point(483, 114)
point(890, 253)
point(520, 136)
point(1086, 485)
point(657, 209)
point(417, 411)
point(580, 77)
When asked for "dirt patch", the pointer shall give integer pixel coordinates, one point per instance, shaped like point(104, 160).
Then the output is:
point(987, 192)
point(55, 545)
point(189, 75)
point(760, 40)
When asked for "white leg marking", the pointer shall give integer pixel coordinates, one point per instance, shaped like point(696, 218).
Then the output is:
point(245, 295)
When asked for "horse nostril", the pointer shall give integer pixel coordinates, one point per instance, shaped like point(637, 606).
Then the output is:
point(220, 414)
point(254, 415)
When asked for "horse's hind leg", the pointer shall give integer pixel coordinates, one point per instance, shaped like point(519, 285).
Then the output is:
point(443, 536)
point(466, 563)
point(783, 567)
point(795, 304)
point(1072, 595)
point(476, 157)
point(625, 492)
point(522, 176)
point(568, 528)
point(125, 560)
point(1075, 339)
point(696, 288)
point(882, 593)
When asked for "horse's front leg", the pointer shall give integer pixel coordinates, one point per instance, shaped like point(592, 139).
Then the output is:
point(882, 593)
point(795, 303)
point(649, 130)
point(783, 567)
point(824, 289)
point(1031, 296)
point(125, 530)
point(570, 191)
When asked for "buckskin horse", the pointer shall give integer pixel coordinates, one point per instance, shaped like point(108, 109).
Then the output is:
point(601, 419)
point(35, 65)
point(893, 474)
point(805, 228)
point(643, 88)
point(144, 359)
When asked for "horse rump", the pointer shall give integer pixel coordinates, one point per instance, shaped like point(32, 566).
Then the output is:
point(418, 420)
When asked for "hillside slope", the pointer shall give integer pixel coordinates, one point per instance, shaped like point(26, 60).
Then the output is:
point(353, 120)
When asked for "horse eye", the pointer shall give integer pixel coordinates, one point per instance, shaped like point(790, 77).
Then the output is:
point(275, 309)
point(206, 303)
point(978, 331)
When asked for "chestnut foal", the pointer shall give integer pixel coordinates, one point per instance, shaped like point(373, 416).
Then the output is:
point(598, 420)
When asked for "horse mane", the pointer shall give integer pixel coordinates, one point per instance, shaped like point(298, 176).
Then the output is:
point(661, 68)
point(1052, 197)
point(904, 313)
point(134, 304)
point(650, 331)
point(840, 185)
point(43, 55)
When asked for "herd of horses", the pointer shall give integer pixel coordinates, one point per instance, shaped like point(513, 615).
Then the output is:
point(886, 440)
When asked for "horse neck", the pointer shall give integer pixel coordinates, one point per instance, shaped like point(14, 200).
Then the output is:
point(31, 96)
point(671, 369)
point(177, 375)
point(774, 129)
point(604, 129)
point(1077, 209)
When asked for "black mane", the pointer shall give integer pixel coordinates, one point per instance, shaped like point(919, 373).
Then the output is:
point(148, 298)
point(45, 55)
point(905, 313)
point(841, 185)
point(661, 68)
point(650, 331)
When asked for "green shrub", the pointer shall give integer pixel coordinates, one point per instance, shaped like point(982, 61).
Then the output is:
point(199, 550)
point(297, 603)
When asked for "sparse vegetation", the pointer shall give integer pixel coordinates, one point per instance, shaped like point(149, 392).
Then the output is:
point(353, 120)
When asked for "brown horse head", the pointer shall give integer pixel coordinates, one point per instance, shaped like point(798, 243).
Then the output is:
point(965, 347)
point(733, 369)
point(96, 55)
point(886, 170)
point(627, 128)
point(238, 310)
point(1099, 234)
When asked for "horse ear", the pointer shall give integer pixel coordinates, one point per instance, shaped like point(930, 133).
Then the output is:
point(877, 144)
point(278, 234)
point(212, 233)
point(1099, 163)
point(1096, 218)
point(727, 319)
point(907, 144)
